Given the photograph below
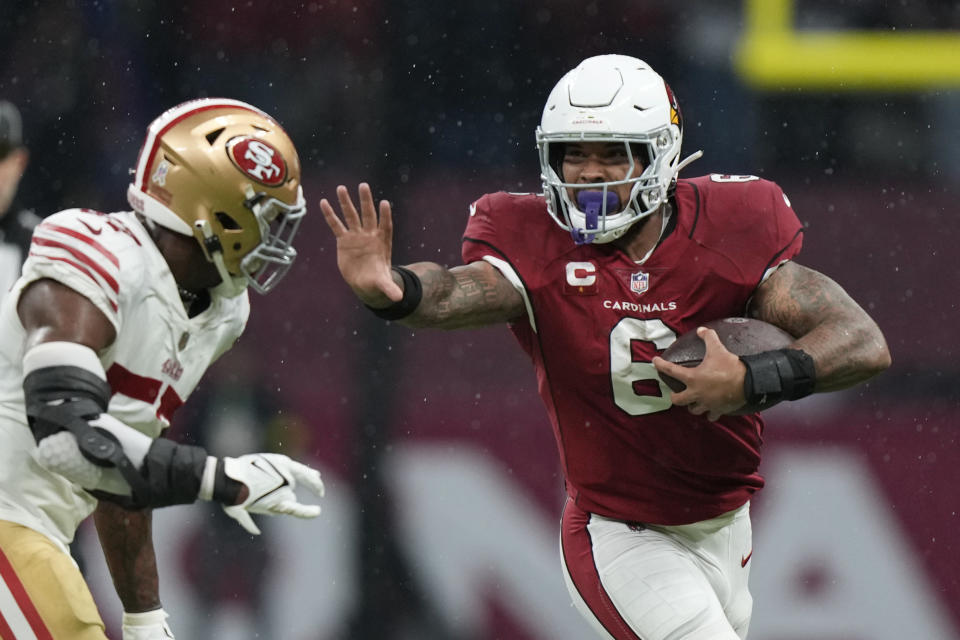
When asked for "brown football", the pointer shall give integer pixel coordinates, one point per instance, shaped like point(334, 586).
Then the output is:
point(741, 336)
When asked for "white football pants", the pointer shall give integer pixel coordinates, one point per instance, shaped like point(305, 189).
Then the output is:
point(648, 582)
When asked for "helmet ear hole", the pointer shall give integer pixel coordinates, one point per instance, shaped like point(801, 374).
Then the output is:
point(227, 221)
point(213, 135)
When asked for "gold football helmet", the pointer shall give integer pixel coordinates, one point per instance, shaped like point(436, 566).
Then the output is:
point(226, 173)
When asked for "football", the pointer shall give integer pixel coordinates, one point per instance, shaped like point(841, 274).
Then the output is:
point(741, 336)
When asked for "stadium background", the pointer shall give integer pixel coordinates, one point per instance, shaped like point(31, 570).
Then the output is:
point(443, 484)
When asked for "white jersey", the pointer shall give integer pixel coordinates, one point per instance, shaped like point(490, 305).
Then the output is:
point(156, 361)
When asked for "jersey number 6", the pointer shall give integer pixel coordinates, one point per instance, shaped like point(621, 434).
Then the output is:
point(625, 371)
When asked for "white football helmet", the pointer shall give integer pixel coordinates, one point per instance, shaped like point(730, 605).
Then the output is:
point(226, 173)
point(610, 98)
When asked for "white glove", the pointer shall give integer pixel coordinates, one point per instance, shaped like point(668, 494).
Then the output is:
point(149, 625)
point(271, 479)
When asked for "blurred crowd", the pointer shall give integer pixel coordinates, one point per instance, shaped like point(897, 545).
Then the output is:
point(393, 87)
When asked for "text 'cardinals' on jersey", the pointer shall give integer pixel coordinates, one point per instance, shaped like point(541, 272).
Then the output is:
point(598, 317)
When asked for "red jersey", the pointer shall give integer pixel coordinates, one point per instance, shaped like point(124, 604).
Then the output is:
point(596, 319)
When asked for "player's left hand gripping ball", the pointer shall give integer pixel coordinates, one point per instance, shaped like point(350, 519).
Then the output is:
point(271, 479)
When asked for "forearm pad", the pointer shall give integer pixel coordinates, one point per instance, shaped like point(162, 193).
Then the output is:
point(173, 472)
point(774, 376)
point(170, 474)
point(178, 474)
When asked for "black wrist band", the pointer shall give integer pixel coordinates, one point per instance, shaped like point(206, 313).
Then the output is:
point(412, 294)
point(772, 376)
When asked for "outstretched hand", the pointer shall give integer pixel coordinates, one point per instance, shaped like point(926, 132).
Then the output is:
point(364, 246)
point(715, 386)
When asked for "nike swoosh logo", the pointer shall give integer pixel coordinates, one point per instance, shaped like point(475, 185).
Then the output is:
point(267, 471)
point(95, 232)
point(745, 559)
point(473, 210)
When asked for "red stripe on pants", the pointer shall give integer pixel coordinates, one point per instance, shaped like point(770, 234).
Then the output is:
point(6, 633)
point(578, 558)
point(10, 578)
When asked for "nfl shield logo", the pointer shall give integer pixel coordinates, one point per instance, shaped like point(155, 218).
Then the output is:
point(639, 282)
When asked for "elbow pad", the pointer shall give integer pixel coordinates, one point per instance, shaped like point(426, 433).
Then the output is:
point(62, 384)
point(66, 394)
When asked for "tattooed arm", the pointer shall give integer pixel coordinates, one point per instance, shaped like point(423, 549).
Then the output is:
point(474, 295)
point(844, 342)
point(127, 542)
point(470, 296)
point(846, 345)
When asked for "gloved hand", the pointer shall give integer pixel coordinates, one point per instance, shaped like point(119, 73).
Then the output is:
point(271, 479)
point(149, 625)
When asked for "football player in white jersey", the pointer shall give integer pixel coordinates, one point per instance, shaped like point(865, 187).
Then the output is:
point(111, 326)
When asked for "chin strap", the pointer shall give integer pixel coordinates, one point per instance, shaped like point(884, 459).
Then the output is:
point(230, 286)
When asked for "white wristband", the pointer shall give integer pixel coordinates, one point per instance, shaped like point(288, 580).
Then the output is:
point(208, 479)
point(145, 618)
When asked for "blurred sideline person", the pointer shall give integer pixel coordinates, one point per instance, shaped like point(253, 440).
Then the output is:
point(597, 276)
point(110, 328)
point(16, 225)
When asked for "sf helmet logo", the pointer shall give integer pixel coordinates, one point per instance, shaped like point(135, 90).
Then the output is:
point(258, 159)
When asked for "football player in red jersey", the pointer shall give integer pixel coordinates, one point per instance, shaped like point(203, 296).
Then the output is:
point(597, 276)
point(113, 322)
